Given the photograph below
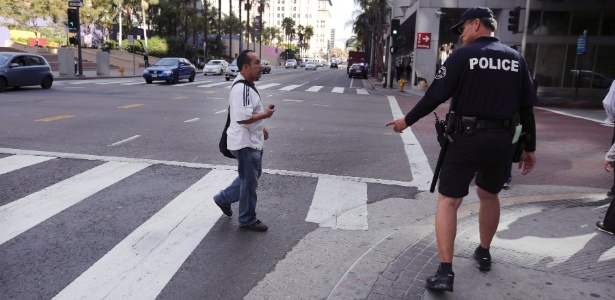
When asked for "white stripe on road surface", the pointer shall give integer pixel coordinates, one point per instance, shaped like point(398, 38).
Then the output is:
point(315, 88)
point(419, 165)
point(12, 163)
point(116, 81)
point(191, 83)
point(143, 263)
point(338, 90)
point(134, 83)
point(362, 92)
point(290, 87)
point(262, 87)
point(124, 140)
point(214, 84)
point(339, 204)
point(191, 120)
point(25, 213)
point(92, 81)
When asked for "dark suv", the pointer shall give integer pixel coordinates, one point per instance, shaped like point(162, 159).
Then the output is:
point(333, 65)
point(357, 70)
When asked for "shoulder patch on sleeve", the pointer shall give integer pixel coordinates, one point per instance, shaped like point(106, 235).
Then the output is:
point(441, 73)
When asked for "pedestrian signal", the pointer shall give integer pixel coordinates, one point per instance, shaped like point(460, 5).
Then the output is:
point(73, 18)
point(395, 27)
point(513, 19)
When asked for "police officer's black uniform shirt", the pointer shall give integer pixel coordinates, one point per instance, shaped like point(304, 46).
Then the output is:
point(485, 79)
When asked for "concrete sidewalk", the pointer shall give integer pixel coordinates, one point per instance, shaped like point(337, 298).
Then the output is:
point(91, 74)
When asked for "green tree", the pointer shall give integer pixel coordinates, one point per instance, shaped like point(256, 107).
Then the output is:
point(288, 25)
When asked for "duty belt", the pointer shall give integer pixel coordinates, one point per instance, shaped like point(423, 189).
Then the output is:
point(492, 124)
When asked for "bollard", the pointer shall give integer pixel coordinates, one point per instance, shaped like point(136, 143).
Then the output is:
point(122, 71)
point(401, 82)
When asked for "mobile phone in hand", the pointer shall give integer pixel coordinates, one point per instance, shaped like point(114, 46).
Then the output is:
point(271, 106)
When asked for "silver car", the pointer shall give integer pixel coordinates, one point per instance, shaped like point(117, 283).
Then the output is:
point(215, 67)
point(310, 66)
point(291, 63)
point(232, 70)
point(24, 69)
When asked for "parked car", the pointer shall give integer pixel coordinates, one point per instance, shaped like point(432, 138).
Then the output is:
point(266, 66)
point(302, 64)
point(215, 67)
point(333, 65)
point(291, 63)
point(24, 69)
point(232, 70)
point(358, 70)
point(170, 69)
point(320, 64)
point(310, 66)
point(586, 77)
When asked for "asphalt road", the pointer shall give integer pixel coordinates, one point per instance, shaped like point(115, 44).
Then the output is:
point(126, 159)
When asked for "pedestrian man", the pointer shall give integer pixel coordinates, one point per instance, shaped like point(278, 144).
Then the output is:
point(245, 137)
point(491, 93)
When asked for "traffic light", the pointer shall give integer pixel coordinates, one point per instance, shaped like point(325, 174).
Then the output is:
point(513, 19)
point(395, 27)
point(73, 18)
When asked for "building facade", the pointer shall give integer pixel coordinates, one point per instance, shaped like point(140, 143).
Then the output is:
point(549, 42)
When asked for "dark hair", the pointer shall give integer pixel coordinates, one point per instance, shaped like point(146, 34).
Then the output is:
point(243, 58)
point(490, 23)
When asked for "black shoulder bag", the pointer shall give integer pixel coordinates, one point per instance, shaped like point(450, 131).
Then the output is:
point(222, 145)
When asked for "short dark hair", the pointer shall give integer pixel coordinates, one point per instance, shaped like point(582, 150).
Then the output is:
point(244, 58)
point(490, 23)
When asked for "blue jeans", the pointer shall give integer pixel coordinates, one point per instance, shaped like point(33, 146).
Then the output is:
point(243, 188)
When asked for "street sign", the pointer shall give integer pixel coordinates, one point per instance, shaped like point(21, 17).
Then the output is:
point(582, 44)
point(423, 40)
point(131, 40)
point(75, 4)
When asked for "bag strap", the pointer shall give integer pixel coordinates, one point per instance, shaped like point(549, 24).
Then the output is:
point(251, 85)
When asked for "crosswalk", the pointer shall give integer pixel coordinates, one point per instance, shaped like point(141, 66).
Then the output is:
point(144, 261)
point(212, 84)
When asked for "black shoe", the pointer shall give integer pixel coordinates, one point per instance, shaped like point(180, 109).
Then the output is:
point(256, 226)
point(484, 261)
point(225, 209)
point(600, 226)
point(441, 282)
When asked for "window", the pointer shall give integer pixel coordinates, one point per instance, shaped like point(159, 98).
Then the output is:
point(35, 61)
point(585, 21)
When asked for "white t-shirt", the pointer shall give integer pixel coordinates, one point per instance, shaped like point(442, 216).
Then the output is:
point(244, 102)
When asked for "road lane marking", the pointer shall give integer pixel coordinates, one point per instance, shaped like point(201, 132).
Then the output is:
point(124, 140)
point(191, 120)
point(15, 162)
point(362, 92)
point(575, 116)
point(133, 83)
point(265, 86)
point(339, 204)
point(130, 105)
point(338, 90)
point(191, 83)
point(116, 81)
point(419, 165)
point(25, 213)
point(219, 112)
point(201, 166)
point(315, 88)
point(55, 118)
point(290, 87)
point(142, 264)
point(91, 81)
point(179, 98)
point(214, 84)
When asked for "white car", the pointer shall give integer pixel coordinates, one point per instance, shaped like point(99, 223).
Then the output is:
point(215, 67)
point(232, 71)
point(310, 66)
point(291, 63)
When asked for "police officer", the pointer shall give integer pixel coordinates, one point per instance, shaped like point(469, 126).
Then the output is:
point(491, 93)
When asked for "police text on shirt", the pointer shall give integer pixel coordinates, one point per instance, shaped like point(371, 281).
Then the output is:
point(498, 64)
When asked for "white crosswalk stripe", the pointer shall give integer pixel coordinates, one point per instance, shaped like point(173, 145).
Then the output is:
point(15, 162)
point(142, 264)
point(362, 92)
point(262, 87)
point(214, 84)
point(289, 87)
point(315, 88)
point(338, 90)
point(23, 214)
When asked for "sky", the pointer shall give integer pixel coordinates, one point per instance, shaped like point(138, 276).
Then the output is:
point(341, 12)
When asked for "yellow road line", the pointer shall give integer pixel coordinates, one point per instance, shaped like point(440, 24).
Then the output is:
point(130, 105)
point(54, 118)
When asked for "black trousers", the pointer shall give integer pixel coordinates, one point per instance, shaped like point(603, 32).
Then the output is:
point(609, 217)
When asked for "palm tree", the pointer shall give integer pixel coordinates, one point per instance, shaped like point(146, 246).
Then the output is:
point(287, 25)
point(300, 30)
point(307, 35)
point(145, 4)
point(370, 22)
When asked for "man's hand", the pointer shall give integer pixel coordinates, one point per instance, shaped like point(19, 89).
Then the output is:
point(527, 162)
point(608, 165)
point(265, 133)
point(400, 125)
